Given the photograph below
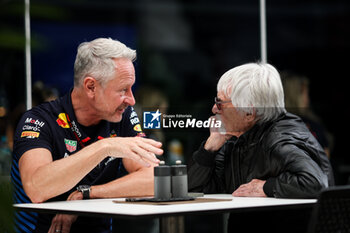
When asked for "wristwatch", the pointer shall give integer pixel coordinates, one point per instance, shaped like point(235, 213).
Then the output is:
point(85, 190)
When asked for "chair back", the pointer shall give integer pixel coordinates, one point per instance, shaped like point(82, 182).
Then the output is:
point(332, 211)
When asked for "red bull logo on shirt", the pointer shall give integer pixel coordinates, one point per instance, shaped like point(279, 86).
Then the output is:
point(62, 120)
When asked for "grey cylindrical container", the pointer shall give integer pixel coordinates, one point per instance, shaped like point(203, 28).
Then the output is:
point(162, 182)
point(179, 186)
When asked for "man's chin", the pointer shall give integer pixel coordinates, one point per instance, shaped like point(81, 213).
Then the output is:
point(115, 119)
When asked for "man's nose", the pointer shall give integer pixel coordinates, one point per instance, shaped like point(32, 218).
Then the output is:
point(130, 100)
point(215, 109)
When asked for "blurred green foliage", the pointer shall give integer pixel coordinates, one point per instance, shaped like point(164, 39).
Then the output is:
point(12, 32)
point(6, 208)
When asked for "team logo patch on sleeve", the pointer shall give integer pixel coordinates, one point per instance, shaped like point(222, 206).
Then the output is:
point(133, 118)
point(30, 134)
point(138, 128)
point(71, 145)
point(62, 120)
point(113, 133)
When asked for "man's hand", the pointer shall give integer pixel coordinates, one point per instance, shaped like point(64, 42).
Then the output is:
point(62, 223)
point(217, 136)
point(252, 189)
point(142, 150)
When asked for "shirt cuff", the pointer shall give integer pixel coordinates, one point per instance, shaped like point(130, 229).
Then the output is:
point(204, 157)
point(269, 187)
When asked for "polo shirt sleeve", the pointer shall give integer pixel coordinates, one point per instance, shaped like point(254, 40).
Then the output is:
point(32, 132)
point(131, 125)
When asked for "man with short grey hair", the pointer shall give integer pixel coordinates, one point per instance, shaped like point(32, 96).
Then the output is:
point(86, 144)
point(264, 151)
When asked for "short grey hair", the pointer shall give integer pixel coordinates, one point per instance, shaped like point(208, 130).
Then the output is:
point(254, 87)
point(95, 59)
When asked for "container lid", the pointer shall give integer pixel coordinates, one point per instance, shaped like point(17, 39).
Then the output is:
point(162, 170)
point(178, 170)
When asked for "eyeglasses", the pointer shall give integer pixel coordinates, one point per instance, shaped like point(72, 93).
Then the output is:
point(219, 102)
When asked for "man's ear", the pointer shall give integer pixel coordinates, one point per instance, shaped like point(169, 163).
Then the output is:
point(250, 117)
point(90, 86)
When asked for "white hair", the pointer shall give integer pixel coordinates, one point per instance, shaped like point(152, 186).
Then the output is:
point(95, 59)
point(254, 87)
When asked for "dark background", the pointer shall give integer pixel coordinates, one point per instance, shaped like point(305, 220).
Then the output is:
point(183, 49)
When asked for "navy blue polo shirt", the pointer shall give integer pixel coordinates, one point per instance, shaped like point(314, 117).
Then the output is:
point(53, 126)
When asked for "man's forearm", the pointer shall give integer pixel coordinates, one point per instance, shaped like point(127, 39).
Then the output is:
point(135, 184)
point(54, 178)
point(43, 178)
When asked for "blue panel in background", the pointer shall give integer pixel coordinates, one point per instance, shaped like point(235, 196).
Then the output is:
point(55, 46)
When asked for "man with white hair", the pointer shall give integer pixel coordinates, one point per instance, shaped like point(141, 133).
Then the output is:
point(265, 151)
point(86, 144)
